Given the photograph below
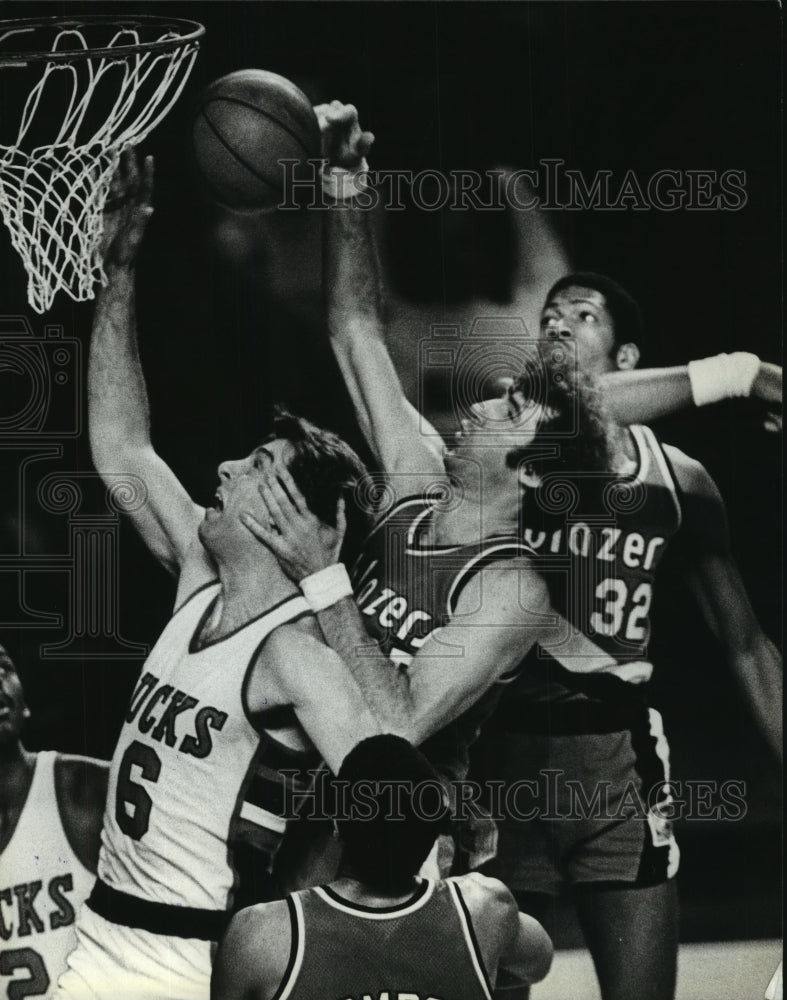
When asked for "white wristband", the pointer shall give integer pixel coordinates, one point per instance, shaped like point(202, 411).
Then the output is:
point(723, 377)
point(326, 587)
point(341, 184)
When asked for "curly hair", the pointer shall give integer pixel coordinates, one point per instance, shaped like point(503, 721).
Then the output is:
point(573, 431)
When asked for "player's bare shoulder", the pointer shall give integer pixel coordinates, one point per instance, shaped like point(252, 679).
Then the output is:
point(505, 591)
point(81, 788)
point(291, 649)
point(485, 896)
point(691, 476)
point(253, 956)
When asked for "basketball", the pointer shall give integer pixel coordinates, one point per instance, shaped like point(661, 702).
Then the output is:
point(245, 125)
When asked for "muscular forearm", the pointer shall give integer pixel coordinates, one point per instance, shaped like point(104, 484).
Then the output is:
point(635, 397)
point(117, 398)
point(384, 686)
point(640, 396)
point(351, 275)
point(758, 668)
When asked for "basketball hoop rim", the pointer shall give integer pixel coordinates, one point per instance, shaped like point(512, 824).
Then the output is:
point(194, 30)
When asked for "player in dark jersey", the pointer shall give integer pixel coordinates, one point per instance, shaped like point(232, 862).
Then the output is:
point(445, 584)
point(593, 559)
point(596, 729)
point(379, 929)
point(51, 806)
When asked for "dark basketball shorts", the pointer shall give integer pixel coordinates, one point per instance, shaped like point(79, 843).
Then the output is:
point(584, 808)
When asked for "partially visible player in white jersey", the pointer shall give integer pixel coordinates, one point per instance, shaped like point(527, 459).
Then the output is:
point(51, 806)
point(379, 929)
point(238, 659)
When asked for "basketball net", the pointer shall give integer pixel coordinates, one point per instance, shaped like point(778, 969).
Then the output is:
point(52, 196)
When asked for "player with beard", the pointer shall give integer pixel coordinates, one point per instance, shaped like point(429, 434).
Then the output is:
point(434, 618)
point(598, 728)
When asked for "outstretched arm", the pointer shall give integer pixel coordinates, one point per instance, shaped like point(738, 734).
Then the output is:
point(393, 428)
point(716, 582)
point(118, 416)
point(639, 396)
point(501, 612)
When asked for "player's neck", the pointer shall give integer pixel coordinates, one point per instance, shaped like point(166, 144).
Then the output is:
point(247, 591)
point(476, 517)
point(622, 449)
point(355, 891)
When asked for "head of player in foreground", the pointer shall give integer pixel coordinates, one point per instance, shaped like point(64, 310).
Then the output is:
point(390, 806)
point(324, 468)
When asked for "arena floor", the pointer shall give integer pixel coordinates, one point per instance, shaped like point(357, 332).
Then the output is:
point(734, 970)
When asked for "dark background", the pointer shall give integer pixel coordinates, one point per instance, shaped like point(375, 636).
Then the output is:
point(227, 329)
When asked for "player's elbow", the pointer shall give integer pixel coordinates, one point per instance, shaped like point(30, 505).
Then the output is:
point(542, 956)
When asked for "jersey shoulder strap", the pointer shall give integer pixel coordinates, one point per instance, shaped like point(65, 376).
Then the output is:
point(654, 465)
point(490, 551)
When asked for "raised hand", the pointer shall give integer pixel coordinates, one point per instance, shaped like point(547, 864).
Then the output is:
point(301, 542)
point(127, 210)
point(344, 143)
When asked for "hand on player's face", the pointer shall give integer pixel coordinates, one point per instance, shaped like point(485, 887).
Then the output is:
point(344, 144)
point(127, 210)
point(300, 541)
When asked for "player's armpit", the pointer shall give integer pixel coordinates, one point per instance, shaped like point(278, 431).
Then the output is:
point(300, 670)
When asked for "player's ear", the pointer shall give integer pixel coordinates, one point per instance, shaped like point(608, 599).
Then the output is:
point(626, 357)
point(529, 476)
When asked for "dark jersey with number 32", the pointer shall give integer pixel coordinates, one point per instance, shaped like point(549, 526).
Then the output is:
point(599, 548)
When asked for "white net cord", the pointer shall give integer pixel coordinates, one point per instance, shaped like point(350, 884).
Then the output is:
point(52, 197)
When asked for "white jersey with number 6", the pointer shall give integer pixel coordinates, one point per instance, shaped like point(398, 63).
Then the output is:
point(184, 757)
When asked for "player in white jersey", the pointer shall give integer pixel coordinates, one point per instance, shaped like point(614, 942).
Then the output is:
point(239, 658)
point(51, 806)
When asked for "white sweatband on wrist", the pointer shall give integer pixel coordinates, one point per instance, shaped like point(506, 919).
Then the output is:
point(341, 184)
point(326, 587)
point(723, 377)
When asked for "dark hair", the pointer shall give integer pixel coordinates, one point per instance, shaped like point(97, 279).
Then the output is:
point(323, 466)
point(627, 324)
point(573, 434)
point(386, 849)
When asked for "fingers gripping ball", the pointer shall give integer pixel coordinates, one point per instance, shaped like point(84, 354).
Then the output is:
point(246, 124)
